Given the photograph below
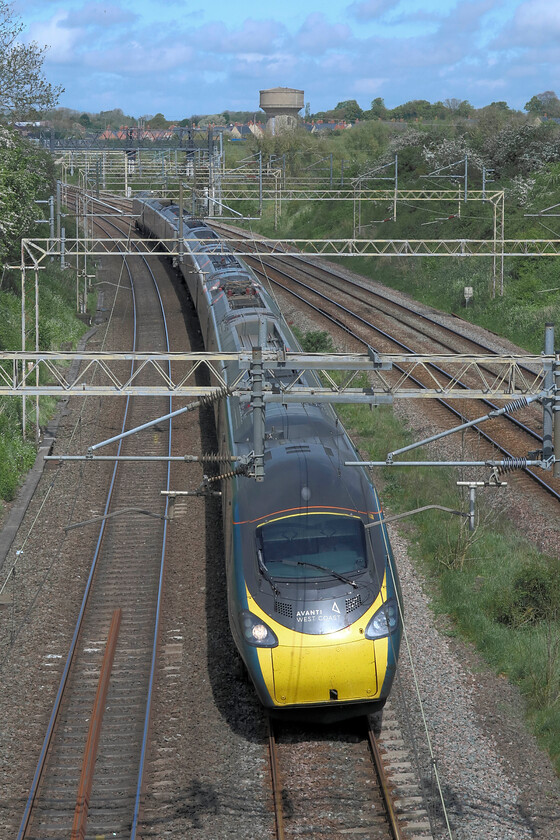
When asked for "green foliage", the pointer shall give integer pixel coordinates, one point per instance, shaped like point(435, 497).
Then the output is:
point(114, 118)
point(58, 327)
point(318, 341)
point(502, 141)
point(522, 149)
point(532, 596)
point(58, 324)
point(542, 104)
point(377, 111)
point(25, 174)
point(158, 121)
point(350, 110)
point(10, 321)
point(16, 457)
point(500, 592)
point(418, 109)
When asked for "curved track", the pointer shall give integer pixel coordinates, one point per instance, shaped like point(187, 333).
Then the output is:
point(400, 327)
point(126, 574)
point(112, 803)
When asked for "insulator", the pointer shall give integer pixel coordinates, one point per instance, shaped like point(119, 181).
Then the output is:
point(208, 399)
point(216, 458)
point(516, 405)
point(237, 471)
point(510, 464)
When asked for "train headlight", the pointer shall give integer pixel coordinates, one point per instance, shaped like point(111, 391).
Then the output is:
point(384, 622)
point(256, 632)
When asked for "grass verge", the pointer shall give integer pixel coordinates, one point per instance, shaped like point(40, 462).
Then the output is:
point(502, 594)
point(59, 328)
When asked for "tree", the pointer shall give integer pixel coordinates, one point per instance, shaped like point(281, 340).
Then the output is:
point(452, 103)
point(465, 109)
point(378, 109)
point(158, 121)
point(85, 120)
point(350, 109)
point(490, 120)
point(546, 103)
point(22, 84)
point(413, 110)
point(459, 107)
point(25, 173)
point(439, 111)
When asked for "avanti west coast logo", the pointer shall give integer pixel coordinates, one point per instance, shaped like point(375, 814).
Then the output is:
point(318, 615)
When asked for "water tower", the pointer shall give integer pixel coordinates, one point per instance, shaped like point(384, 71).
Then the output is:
point(281, 106)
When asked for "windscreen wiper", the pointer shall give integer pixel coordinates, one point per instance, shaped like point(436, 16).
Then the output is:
point(265, 573)
point(323, 569)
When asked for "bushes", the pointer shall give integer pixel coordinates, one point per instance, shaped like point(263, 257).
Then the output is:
point(521, 155)
point(58, 326)
point(533, 596)
point(318, 341)
point(25, 171)
point(16, 457)
point(500, 592)
point(10, 321)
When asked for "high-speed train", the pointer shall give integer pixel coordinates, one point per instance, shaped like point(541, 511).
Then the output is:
point(313, 592)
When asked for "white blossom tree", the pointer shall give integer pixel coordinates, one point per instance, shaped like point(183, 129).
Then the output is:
point(22, 85)
point(25, 173)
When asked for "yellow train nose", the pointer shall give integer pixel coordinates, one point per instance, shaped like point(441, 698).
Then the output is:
point(316, 673)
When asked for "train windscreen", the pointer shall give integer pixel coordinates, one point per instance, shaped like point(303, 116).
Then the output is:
point(313, 545)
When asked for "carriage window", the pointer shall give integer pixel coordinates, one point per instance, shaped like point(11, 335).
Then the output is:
point(335, 542)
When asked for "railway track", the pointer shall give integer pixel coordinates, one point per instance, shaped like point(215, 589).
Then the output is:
point(411, 813)
point(371, 318)
point(125, 580)
point(329, 786)
point(401, 327)
point(188, 806)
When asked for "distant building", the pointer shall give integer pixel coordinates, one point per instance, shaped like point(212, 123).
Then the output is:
point(281, 106)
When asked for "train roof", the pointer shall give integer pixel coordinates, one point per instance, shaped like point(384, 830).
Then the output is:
point(305, 477)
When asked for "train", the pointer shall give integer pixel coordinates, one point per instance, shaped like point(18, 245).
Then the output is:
point(313, 593)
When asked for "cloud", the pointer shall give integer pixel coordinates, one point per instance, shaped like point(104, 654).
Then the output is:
point(317, 35)
point(253, 36)
point(369, 9)
point(100, 14)
point(369, 86)
point(178, 60)
point(62, 41)
point(536, 23)
point(339, 63)
point(465, 18)
point(136, 61)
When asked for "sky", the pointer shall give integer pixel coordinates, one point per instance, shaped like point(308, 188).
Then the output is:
point(184, 57)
